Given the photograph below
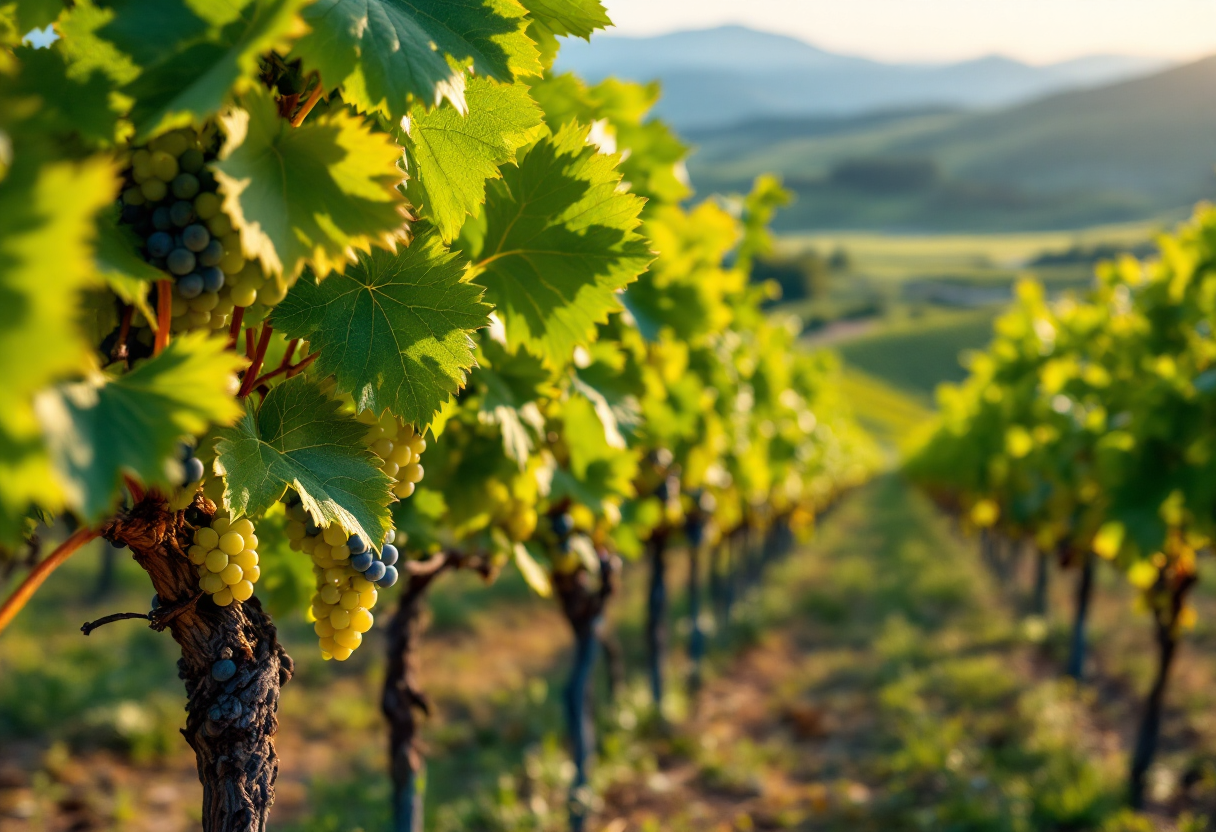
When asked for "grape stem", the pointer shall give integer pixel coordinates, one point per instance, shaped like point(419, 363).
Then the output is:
point(120, 351)
point(249, 343)
point(286, 368)
point(164, 313)
point(39, 573)
point(238, 315)
point(313, 98)
point(89, 626)
point(259, 356)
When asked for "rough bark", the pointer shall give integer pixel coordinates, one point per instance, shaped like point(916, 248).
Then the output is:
point(231, 720)
point(695, 532)
point(1085, 588)
point(1038, 604)
point(1150, 721)
point(656, 615)
point(403, 702)
point(583, 604)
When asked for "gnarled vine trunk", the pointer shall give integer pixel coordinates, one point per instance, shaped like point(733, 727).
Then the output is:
point(583, 604)
point(695, 532)
point(656, 615)
point(231, 711)
point(1085, 589)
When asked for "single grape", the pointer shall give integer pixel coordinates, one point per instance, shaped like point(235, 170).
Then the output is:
point(219, 225)
point(356, 544)
point(133, 196)
point(196, 237)
point(154, 190)
point(376, 571)
point(160, 244)
point(194, 470)
point(206, 205)
point(161, 220)
point(185, 186)
point(182, 213)
point(213, 279)
point(389, 554)
point(164, 166)
point(563, 524)
point(390, 536)
point(181, 261)
point(390, 577)
point(191, 286)
point(191, 161)
point(362, 561)
point(212, 254)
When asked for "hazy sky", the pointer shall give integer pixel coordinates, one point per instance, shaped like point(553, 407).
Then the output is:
point(1034, 30)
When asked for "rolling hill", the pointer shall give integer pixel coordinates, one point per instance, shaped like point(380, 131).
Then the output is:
point(717, 77)
point(1126, 151)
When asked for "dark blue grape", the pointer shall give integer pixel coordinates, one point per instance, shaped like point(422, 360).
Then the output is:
point(375, 572)
point(182, 213)
point(390, 577)
point(160, 244)
point(155, 602)
point(356, 544)
point(161, 220)
point(181, 261)
point(185, 186)
point(196, 237)
point(389, 554)
point(213, 279)
point(212, 254)
point(223, 670)
point(190, 286)
point(311, 528)
point(563, 524)
point(362, 561)
point(194, 470)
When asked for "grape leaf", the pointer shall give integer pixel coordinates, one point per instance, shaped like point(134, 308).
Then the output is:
point(534, 574)
point(452, 155)
point(569, 17)
point(311, 194)
point(598, 472)
point(192, 54)
point(395, 329)
point(385, 53)
point(299, 439)
point(66, 102)
point(46, 230)
point(511, 384)
point(86, 52)
point(99, 428)
point(121, 266)
point(559, 242)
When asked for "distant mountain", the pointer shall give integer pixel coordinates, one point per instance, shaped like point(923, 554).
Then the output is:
point(718, 77)
point(1126, 151)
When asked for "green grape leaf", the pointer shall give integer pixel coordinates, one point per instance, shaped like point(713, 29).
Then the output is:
point(120, 265)
point(534, 574)
point(387, 53)
point(192, 55)
point(559, 242)
point(67, 102)
point(511, 385)
point(598, 471)
point(86, 52)
point(300, 439)
point(46, 232)
point(569, 17)
point(394, 330)
point(452, 155)
point(106, 425)
point(35, 14)
point(308, 195)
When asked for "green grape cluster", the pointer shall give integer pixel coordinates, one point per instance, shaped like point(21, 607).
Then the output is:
point(225, 554)
point(171, 201)
point(399, 447)
point(347, 575)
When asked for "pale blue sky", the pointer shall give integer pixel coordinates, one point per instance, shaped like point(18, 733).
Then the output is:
point(1038, 31)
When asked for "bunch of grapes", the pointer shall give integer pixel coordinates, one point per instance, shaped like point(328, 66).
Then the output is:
point(399, 447)
point(170, 200)
point(226, 556)
point(347, 573)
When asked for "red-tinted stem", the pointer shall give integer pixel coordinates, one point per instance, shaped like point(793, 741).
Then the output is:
point(259, 355)
point(234, 331)
point(164, 314)
point(23, 593)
